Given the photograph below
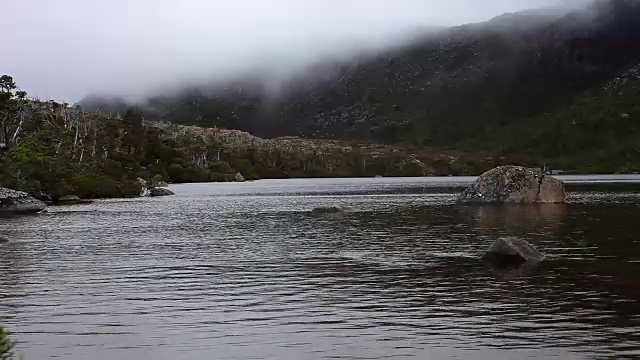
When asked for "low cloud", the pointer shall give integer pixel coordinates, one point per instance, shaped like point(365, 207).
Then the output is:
point(67, 49)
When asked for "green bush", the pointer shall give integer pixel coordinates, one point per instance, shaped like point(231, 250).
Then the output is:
point(245, 167)
point(157, 178)
point(413, 168)
point(221, 167)
point(219, 177)
point(6, 345)
point(176, 172)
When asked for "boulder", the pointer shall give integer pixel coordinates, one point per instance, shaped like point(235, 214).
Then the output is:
point(239, 178)
point(509, 251)
point(334, 209)
point(162, 184)
point(71, 200)
point(14, 202)
point(515, 185)
point(41, 195)
point(160, 192)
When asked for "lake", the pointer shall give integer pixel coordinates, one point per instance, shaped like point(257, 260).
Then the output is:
point(245, 271)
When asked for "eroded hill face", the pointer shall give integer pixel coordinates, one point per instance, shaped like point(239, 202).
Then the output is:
point(499, 86)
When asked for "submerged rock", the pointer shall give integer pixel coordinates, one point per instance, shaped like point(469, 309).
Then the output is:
point(516, 185)
point(509, 251)
point(334, 209)
point(14, 202)
point(160, 192)
point(71, 200)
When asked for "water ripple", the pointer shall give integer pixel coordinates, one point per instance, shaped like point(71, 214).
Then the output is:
point(245, 271)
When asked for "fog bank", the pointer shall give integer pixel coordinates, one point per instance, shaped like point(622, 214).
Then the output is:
point(67, 49)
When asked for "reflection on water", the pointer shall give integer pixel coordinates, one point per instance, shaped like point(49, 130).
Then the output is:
point(245, 271)
point(518, 219)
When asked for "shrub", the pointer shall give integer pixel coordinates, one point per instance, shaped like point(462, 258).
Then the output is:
point(6, 345)
point(221, 167)
point(245, 167)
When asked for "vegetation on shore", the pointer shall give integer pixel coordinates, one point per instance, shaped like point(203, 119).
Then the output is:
point(51, 149)
point(6, 345)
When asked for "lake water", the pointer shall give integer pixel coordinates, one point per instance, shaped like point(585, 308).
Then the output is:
point(244, 271)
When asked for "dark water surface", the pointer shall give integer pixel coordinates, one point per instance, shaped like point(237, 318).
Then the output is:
point(244, 271)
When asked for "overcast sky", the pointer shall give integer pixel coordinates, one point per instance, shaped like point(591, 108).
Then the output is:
point(66, 49)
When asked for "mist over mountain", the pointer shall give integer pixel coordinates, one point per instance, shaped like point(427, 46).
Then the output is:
point(574, 50)
point(382, 29)
point(69, 49)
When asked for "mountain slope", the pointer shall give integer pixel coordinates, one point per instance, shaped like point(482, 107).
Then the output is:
point(471, 87)
point(600, 130)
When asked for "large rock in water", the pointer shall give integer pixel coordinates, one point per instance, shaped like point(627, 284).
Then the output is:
point(516, 185)
point(511, 251)
point(14, 202)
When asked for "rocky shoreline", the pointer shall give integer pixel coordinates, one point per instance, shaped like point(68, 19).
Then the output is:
point(504, 184)
point(14, 202)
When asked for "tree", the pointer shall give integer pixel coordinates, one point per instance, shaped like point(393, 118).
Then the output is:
point(134, 139)
point(12, 103)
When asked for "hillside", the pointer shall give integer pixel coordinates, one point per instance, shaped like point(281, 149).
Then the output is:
point(508, 85)
point(51, 150)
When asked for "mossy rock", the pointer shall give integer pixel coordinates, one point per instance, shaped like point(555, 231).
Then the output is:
point(515, 185)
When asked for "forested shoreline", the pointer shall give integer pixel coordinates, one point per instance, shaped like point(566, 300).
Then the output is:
point(51, 149)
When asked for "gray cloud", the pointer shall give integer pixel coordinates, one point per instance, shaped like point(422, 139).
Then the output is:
point(67, 49)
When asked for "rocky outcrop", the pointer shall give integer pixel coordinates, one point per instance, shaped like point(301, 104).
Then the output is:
point(149, 186)
point(71, 200)
point(239, 178)
point(334, 209)
point(516, 185)
point(160, 192)
point(511, 251)
point(14, 202)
